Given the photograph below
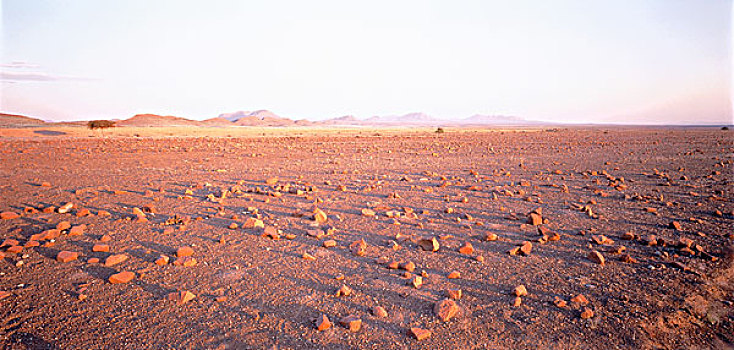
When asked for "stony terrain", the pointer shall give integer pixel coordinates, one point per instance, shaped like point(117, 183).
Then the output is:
point(550, 239)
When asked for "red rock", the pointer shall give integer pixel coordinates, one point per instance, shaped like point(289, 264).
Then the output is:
point(601, 240)
point(308, 256)
point(626, 258)
point(186, 261)
point(480, 258)
point(420, 333)
point(9, 242)
point(101, 248)
point(368, 212)
point(4, 294)
point(66, 256)
point(580, 299)
point(49, 210)
point(105, 238)
point(446, 309)
point(103, 213)
point(9, 215)
point(233, 226)
point(352, 322)
point(93, 260)
point(320, 216)
point(526, 248)
point(83, 212)
point(64, 225)
point(65, 208)
point(15, 249)
point(517, 302)
point(454, 294)
point(587, 313)
point(122, 277)
point(535, 219)
point(675, 225)
point(559, 302)
point(184, 251)
point(491, 237)
point(115, 259)
point(454, 275)
point(379, 311)
point(77, 230)
point(271, 181)
point(344, 291)
point(162, 260)
point(181, 297)
point(596, 257)
point(358, 247)
point(628, 236)
point(31, 244)
point(467, 249)
point(429, 244)
point(323, 323)
point(520, 291)
point(251, 223)
point(271, 232)
point(330, 243)
point(416, 281)
point(408, 266)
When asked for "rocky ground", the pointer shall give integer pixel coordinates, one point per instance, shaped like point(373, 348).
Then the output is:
point(551, 239)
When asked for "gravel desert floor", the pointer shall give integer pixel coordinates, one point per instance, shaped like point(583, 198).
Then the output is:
point(567, 238)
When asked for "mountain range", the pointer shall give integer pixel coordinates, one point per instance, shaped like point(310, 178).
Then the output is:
point(265, 118)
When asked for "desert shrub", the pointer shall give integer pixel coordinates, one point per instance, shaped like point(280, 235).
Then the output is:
point(100, 124)
point(439, 131)
point(724, 128)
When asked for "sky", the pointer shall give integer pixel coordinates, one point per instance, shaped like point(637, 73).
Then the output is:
point(576, 61)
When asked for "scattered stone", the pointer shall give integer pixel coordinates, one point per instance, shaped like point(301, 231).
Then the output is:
point(626, 258)
point(408, 266)
point(480, 258)
point(64, 225)
point(559, 302)
point(587, 313)
point(454, 275)
point(4, 294)
point(323, 323)
point(65, 208)
point(420, 333)
point(596, 257)
point(601, 240)
point(105, 238)
point(651, 240)
point(454, 294)
point(490, 237)
point(429, 244)
point(122, 277)
point(186, 261)
point(517, 302)
point(344, 291)
point(162, 260)
point(181, 297)
point(467, 249)
point(184, 251)
point(271, 232)
point(580, 299)
point(93, 261)
point(535, 219)
point(675, 225)
point(115, 259)
point(379, 311)
point(330, 243)
point(66, 256)
point(358, 248)
point(251, 223)
point(352, 322)
point(520, 291)
point(368, 212)
point(320, 216)
point(77, 230)
point(308, 256)
point(15, 249)
point(446, 309)
point(9, 215)
point(101, 248)
point(416, 281)
point(9, 242)
point(628, 236)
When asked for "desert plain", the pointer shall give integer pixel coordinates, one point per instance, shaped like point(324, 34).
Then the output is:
point(358, 238)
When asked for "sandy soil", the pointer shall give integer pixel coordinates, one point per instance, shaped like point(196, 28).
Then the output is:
point(656, 204)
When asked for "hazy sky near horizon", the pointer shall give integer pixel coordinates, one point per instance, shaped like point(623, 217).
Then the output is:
point(623, 61)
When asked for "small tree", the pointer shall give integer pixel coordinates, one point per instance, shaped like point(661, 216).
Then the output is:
point(439, 131)
point(100, 124)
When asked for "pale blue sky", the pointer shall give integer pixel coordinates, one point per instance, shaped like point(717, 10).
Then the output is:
point(633, 61)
